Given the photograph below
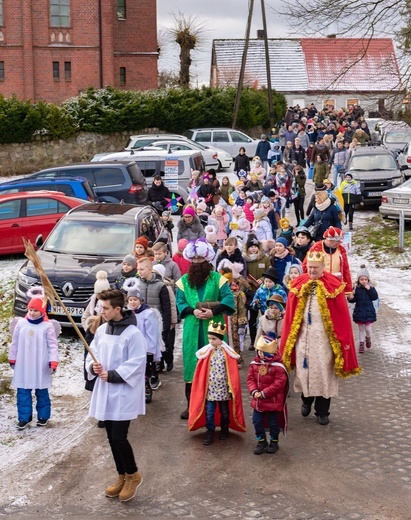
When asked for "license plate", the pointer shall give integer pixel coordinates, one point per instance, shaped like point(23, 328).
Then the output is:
point(374, 194)
point(74, 311)
point(400, 201)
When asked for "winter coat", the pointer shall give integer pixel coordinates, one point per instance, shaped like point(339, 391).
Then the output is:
point(262, 150)
point(254, 186)
point(158, 193)
point(249, 215)
point(351, 191)
point(236, 257)
point(182, 263)
point(242, 162)
point(172, 270)
point(283, 264)
point(321, 172)
point(240, 228)
point(262, 229)
point(267, 324)
point(222, 226)
point(301, 251)
point(298, 155)
point(155, 294)
point(190, 231)
point(304, 140)
point(329, 217)
point(207, 192)
point(256, 267)
point(272, 382)
point(263, 293)
point(364, 310)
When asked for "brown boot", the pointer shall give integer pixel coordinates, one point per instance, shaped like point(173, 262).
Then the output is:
point(115, 489)
point(130, 486)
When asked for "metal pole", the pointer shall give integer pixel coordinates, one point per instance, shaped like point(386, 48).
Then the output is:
point(267, 61)
point(401, 232)
point(243, 64)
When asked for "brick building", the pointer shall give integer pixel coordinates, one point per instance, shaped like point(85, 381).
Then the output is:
point(53, 49)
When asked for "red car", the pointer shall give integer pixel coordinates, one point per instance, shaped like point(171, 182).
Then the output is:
point(28, 214)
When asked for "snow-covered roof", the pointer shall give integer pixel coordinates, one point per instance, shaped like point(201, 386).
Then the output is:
point(313, 64)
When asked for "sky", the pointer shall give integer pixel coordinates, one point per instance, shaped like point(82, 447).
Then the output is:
point(222, 19)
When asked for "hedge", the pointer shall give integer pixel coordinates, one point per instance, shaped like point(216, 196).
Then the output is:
point(110, 110)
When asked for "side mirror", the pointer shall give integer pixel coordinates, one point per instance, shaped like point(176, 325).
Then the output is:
point(39, 241)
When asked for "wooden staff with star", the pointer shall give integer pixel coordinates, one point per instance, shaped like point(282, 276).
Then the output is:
point(50, 292)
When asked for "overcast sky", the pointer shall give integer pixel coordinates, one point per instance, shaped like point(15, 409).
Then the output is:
point(222, 19)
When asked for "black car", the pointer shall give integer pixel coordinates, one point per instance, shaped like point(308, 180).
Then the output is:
point(88, 239)
point(112, 181)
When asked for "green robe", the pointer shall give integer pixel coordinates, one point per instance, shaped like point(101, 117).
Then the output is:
point(195, 337)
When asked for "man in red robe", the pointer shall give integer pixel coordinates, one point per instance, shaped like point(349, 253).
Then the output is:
point(317, 337)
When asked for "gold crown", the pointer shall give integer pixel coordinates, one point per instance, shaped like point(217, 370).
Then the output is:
point(267, 344)
point(217, 328)
point(315, 256)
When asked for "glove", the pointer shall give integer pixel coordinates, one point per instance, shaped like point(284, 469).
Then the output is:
point(241, 331)
point(53, 366)
point(12, 363)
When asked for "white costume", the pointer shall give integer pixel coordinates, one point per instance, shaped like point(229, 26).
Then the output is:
point(33, 346)
point(150, 324)
point(126, 354)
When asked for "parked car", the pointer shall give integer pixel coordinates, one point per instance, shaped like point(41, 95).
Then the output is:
point(376, 170)
point(395, 200)
point(226, 138)
point(72, 187)
point(112, 181)
point(210, 157)
point(404, 159)
point(142, 141)
point(175, 169)
point(28, 214)
point(395, 135)
point(88, 239)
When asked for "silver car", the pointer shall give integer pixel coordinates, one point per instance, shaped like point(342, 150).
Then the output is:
point(228, 139)
point(395, 200)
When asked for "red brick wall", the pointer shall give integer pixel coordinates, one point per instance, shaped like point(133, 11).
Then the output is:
point(28, 49)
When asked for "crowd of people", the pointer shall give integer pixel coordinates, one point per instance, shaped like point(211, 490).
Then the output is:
point(242, 278)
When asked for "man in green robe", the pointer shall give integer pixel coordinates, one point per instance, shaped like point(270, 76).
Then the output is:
point(201, 284)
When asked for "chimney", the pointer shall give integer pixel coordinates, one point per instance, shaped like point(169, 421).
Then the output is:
point(260, 34)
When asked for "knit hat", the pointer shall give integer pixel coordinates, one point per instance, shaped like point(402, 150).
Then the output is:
point(271, 274)
point(131, 287)
point(363, 271)
point(288, 268)
point(282, 240)
point(259, 213)
point(242, 174)
point(302, 230)
point(39, 304)
point(130, 259)
point(211, 235)
point(142, 241)
point(333, 233)
point(202, 206)
point(277, 300)
point(188, 210)
point(159, 269)
point(238, 184)
point(101, 283)
point(320, 187)
point(199, 248)
point(182, 244)
point(263, 137)
point(252, 240)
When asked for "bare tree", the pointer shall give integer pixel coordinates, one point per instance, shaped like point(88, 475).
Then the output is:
point(188, 32)
point(168, 79)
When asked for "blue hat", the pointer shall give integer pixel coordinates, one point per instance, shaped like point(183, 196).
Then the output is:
point(282, 241)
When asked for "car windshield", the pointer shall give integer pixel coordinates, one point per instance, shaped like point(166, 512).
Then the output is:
point(91, 238)
point(400, 136)
point(366, 163)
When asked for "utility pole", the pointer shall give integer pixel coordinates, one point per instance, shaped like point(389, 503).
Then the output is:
point(243, 63)
point(267, 61)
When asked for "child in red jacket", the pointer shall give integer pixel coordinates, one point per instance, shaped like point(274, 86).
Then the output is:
point(267, 382)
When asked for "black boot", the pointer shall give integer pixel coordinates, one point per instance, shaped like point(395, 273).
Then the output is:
point(261, 446)
point(184, 415)
point(209, 438)
point(224, 433)
point(272, 447)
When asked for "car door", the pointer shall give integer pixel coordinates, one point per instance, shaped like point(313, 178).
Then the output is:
point(111, 181)
point(221, 139)
point(41, 214)
point(11, 227)
point(239, 139)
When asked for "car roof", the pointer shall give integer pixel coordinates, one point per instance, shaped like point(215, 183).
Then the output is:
point(371, 150)
point(38, 194)
point(88, 164)
point(60, 180)
point(161, 154)
point(165, 136)
point(218, 128)
point(110, 209)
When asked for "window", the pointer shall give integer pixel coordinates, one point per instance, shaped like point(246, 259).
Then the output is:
point(56, 70)
point(37, 207)
point(109, 177)
point(122, 75)
point(329, 103)
point(148, 168)
point(1, 70)
point(351, 102)
point(10, 209)
point(60, 13)
point(67, 70)
point(203, 137)
point(121, 9)
point(1, 12)
point(238, 137)
point(220, 137)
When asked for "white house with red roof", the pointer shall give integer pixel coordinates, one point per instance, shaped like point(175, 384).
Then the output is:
point(324, 71)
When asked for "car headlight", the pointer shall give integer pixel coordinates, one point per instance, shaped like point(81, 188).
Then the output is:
point(395, 182)
point(27, 280)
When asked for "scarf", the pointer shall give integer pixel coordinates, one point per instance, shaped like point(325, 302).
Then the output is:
point(323, 205)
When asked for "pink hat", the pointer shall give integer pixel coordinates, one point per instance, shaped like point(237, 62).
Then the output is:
point(182, 244)
point(189, 211)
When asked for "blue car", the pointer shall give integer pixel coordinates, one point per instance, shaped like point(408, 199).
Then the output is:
point(78, 187)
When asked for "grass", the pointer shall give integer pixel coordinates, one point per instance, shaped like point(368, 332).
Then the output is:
point(378, 241)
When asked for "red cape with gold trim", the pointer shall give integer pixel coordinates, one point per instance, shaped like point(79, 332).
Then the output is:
point(335, 316)
point(196, 415)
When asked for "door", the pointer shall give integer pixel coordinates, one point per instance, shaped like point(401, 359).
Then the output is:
point(41, 215)
point(111, 182)
point(11, 227)
point(221, 139)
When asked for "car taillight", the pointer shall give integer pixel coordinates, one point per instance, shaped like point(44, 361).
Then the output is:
point(215, 156)
point(135, 188)
point(384, 199)
point(408, 159)
point(90, 199)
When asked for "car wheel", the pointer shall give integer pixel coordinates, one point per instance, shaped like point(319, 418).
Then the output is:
point(220, 167)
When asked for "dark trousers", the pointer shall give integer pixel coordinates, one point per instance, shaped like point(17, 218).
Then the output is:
point(252, 324)
point(120, 447)
point(258, 422)
point(321, 406)
point(169, 338)
point(349, 212)
point(299, 208)
point(210, 412)
point(25, 404)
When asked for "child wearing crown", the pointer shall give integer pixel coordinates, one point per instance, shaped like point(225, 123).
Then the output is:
point(34, 357)
point(216, 381)
point(267, 382)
